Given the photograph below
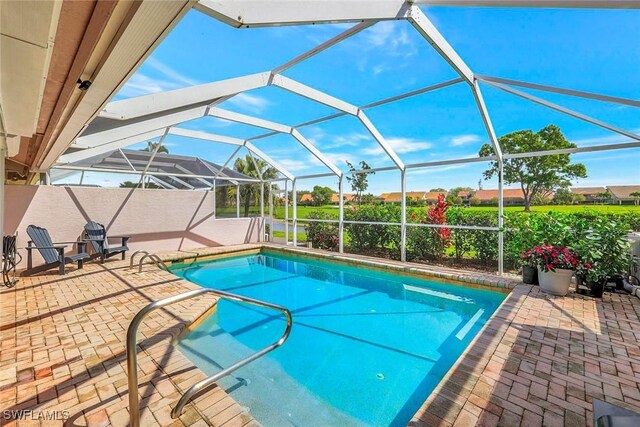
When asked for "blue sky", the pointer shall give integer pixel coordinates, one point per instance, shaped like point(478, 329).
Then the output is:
point(597, 51)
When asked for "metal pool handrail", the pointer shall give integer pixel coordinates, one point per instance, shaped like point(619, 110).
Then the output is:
point(132, 360)
point(134, 255)
point(153, 257)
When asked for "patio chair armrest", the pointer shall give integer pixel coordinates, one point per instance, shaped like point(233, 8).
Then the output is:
point(119, 237)
point(56, 247)
point(88, 239)
point(76, 242)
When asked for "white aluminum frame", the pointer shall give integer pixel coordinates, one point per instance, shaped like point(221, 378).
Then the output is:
point(157, 115)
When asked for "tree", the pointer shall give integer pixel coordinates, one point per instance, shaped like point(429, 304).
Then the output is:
point(536, 175)
point(321, 195)
point(579, 198)
point(438, 190)
point(151, 146)
point(251, 191)
point(359, 181)
point(455, 191)
point(368, 199)
point(603, 196)
point(454, 200)
point(131, 184)
point(636, 197)
point(474, 201)
point(563, 197)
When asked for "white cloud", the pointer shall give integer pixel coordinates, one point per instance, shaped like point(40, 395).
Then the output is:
point(460, 140)
point(142, 84)
point(253, 103)
point(392, 37)
point(436, 169)
point(349, 140)
point(293, 165)
point(400, 146)
point(599, 182)
point(392, 40)
point(601, 140)
point(170, 73)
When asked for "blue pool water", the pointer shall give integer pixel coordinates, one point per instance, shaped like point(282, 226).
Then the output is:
point(366, 348)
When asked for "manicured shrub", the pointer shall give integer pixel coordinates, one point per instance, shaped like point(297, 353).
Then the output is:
point(365, 238)
point(322, 235)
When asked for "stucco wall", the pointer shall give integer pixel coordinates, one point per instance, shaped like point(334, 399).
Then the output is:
point(156, 220)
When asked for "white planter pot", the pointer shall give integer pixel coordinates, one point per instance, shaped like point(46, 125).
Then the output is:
point(555, 282)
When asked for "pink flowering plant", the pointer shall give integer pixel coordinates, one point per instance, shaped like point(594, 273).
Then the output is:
point(549, 258)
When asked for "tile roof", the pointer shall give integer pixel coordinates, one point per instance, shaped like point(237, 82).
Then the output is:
point(623, 191)
point(588, 190)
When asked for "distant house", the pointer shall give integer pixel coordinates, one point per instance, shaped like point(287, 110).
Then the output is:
point(348, 198)
point(513, 196)
point(590, 193)
point(396, 197)
point(306, 198)
point(432, 196)
point(621, 194)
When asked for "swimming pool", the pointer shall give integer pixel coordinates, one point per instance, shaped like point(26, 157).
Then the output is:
point(367, 347)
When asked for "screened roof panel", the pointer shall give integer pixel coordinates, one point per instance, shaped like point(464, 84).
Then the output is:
point(565, 47)
point(165, 164)
point(387, 59)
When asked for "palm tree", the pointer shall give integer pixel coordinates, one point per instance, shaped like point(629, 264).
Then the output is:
point(151, 146)
point(636, 197)
point(251, 191)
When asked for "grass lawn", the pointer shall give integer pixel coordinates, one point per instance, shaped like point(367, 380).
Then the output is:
point(302, 237)
point(303, 211)
point(568, 208)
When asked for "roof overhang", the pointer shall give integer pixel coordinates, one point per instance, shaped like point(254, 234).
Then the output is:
point(100, 41)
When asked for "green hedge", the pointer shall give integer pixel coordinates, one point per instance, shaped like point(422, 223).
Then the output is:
point(322, 235)
point(475, 248)
point(373, 239)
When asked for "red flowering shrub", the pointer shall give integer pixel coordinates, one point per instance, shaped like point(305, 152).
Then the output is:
point(429, 242)
point(437, 214)
point(549, 257)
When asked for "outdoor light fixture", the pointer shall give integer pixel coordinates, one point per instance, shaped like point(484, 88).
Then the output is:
point(83, 84)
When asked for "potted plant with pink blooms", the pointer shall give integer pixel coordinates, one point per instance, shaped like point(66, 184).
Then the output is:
point(556, 265)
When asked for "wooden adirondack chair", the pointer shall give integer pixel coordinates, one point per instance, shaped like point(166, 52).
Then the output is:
point(97, 235)
point(53, 253)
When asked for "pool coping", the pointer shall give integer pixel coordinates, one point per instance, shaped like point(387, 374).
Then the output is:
point(423, 415)
point(426, 271)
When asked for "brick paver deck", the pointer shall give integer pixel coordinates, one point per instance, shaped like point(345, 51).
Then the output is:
point(540, 359)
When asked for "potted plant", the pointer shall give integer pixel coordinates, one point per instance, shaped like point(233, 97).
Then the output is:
point(605, 251)
point(529, 267)
point(556, 265)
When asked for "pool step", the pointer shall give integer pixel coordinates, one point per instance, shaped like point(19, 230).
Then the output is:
point(270, 395)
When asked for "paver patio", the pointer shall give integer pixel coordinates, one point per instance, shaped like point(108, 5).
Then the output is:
point(540, 360)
